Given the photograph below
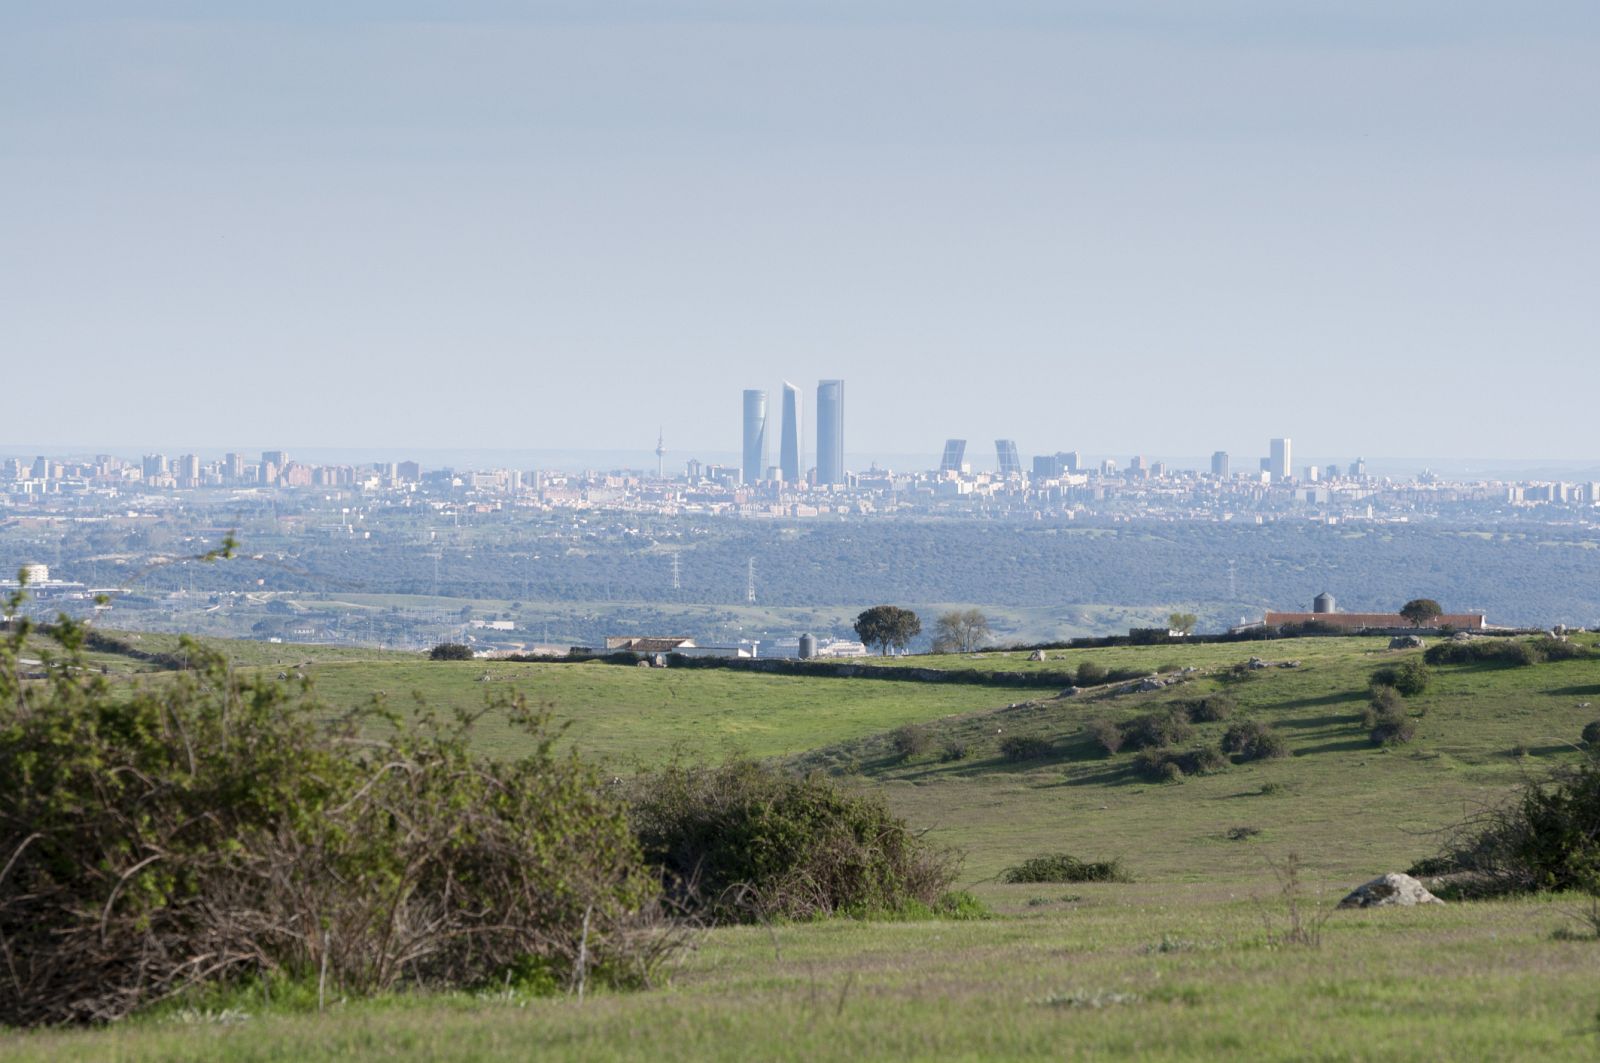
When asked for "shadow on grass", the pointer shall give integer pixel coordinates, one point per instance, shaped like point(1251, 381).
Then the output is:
point(1347, 745)
point(1317, 721)
point(1326, 699)
point(1575, 692)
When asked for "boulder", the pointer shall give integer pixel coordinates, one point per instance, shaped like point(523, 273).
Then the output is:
point(1149, 683)
point(1388, 891)
point(1406, 642)
point(1257, 663)
point(1036, 655)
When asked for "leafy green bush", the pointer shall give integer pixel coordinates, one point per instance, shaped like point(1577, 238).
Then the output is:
point(1546, 838)
point(1252, 740)
point(1409, 678)
point(1063, 867)
point(1025, 747)
point(1510, 652)
point(450, 651)
point(745, 841)
point(218, 826)
point(1591, 734)
point(954, 749)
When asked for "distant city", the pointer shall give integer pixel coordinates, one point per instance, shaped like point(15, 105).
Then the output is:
point(1058, 483)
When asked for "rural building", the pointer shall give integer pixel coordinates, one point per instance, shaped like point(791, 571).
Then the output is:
point(1324, 610)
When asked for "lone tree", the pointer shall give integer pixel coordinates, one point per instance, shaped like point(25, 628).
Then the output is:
point(1419, 611)
point(450, 651)
point(1182, 623)
point(960, 631)
point(886, 626)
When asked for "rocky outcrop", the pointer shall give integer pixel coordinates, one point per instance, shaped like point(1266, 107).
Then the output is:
point(1389, 891)
point(1406, 642)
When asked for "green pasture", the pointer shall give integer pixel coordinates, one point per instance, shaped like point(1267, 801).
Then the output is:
point(1090, 972)
point(1187, 961)
point(627, 715)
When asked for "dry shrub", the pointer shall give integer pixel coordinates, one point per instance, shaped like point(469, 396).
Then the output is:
point(215, 826)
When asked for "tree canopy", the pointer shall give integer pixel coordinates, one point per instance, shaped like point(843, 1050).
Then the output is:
point(1182, 623)
point(1419, 611)
point(888, 626)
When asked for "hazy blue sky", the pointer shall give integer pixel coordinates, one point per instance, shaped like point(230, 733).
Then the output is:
point(1110, 226)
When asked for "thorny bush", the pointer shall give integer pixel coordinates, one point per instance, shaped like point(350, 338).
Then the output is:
point(215, 825)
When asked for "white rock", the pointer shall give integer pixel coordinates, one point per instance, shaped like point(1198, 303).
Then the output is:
point(1387, 891)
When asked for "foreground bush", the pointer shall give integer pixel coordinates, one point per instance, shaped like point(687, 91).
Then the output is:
point(1062, 867)
point(1546, 838)
point(450, 651)
point(746, 841)
point(215, 827)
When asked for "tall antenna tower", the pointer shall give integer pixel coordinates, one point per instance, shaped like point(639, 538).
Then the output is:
point(750, 581)
point(661, 452)
point(1233, 582)
point(676, 583)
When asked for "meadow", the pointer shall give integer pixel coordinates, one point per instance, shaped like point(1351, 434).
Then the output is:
point(1192, 959)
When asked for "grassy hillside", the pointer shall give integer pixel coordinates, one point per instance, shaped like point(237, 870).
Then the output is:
point(1186, 962)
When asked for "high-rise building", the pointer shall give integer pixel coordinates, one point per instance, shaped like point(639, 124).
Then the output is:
point(1282, 464)
point(1005, 452)
point(233, 466)
point(830, 432)
point(791, 444)
point(275, 458)
point(188, 470)
point(755, 435)
point(1219, 464)
point(1071, 460)
point(1047, 467)
point(154, 466)
point(1358, 469)
point(955, 451)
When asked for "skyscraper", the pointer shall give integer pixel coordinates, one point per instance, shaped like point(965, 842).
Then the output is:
point(830, 432)
point(755, 435)
point(1220, 465)
point(1282, 465)
point(790, 443)
point(1010, 464)
point(955, 450)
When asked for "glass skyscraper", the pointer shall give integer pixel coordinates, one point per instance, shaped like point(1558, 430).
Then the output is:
point(789, 443)
point(754, 465)
point(830, 432)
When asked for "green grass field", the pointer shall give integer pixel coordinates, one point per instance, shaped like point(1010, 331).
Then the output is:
point(1182, 963)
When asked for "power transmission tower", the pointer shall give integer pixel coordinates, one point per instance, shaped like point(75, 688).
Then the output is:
point(1233, 582)
point(676, 582)
point(750, 581)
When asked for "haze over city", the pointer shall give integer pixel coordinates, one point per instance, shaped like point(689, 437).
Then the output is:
point(1121, 228)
